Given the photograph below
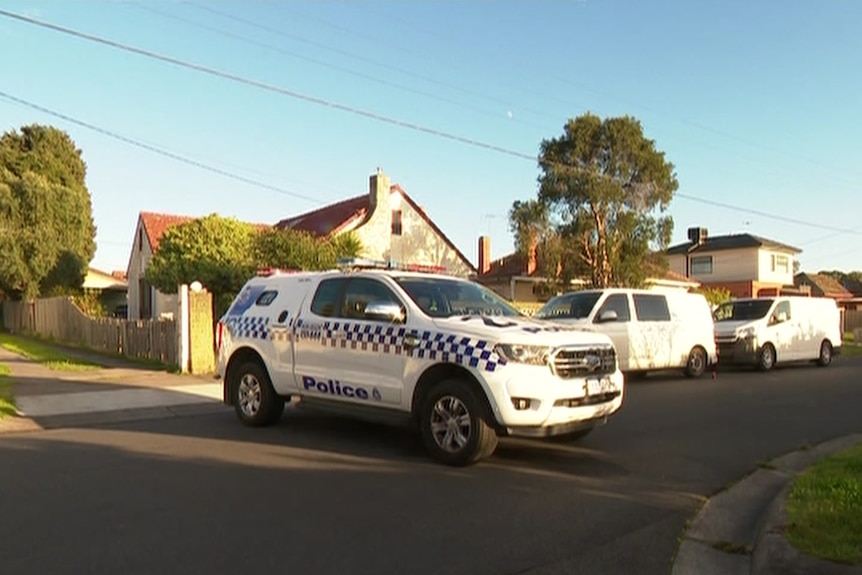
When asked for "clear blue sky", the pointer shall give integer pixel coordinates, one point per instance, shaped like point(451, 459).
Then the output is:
point(757, 104)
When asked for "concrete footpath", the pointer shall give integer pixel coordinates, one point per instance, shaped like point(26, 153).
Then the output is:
point(117, 391)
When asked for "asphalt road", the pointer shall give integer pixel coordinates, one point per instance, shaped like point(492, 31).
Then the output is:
point(203, 494)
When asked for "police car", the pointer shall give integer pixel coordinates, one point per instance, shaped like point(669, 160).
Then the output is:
point(412, 345)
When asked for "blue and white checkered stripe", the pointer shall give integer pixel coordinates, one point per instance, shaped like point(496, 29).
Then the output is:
point(462, 350)
point(433, 346)
point(249, 327)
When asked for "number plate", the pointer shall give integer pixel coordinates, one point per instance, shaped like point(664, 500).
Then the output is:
point(600, 386)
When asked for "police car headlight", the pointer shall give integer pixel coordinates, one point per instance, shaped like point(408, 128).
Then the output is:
point(529, 354)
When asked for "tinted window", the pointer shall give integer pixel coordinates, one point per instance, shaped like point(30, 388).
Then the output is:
point(618, 302)
point(743, 310)
point(782, 308)
point(266, 298)
point(569, 306)
point(327, 296)
point(650, 307)
point(360, 292)
point(445, 297)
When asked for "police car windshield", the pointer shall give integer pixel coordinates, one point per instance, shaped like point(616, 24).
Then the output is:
point(442, 297)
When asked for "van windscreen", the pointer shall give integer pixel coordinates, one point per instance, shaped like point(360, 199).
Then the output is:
point(743, 310)
point(576, 305)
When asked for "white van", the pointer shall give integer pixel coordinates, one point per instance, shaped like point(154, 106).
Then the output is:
point(769, 330)
point(651, 330)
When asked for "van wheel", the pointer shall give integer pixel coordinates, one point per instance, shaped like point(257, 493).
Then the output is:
point(454, 426)
point(766, 359)
point(254, 400)
point(825, 357)
point(696, 364)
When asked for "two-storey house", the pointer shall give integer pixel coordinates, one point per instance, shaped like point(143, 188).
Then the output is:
point(744, 264)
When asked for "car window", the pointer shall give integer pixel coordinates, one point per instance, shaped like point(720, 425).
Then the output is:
point(618, 302)
point(569, 306)
point(649, 307)
point(782, 308)
point(446, 297)
point(327, 296)
point(360, 292)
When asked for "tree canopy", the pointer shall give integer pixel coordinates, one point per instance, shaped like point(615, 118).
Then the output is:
point(223, 253)
point(47, 234)
point(603, 189)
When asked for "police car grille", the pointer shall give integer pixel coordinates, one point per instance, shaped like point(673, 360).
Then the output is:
point(582, 362)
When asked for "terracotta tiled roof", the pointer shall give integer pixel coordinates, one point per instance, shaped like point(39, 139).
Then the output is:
point(156, 224)
point(328, 219)
point(335, 217)
point(119, 274)
point(506, 267)
point(731, 242)
point(827, 286)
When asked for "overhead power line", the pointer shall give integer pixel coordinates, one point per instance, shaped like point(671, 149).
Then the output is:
point(264, 85)
point(157, 150)
point(768, 215)
point(320, 101)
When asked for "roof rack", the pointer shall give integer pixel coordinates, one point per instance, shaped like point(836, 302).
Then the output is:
point(368, 263)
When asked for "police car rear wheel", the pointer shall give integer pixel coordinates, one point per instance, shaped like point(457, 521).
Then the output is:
point(255, 401)
point(453, 425)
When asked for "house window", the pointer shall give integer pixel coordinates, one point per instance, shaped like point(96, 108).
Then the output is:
point(780, 263)
point(396, 222)
point(140, 239)
point(701, 265)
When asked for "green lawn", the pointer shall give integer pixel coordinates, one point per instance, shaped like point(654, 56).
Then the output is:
point(824, 509)
point(48, 356)
point(7, 402)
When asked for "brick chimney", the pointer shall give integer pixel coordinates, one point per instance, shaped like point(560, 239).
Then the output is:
point(484, 255)
point(379, 187)
point(532, 260)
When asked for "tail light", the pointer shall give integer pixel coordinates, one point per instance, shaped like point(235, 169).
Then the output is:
point(219, 336)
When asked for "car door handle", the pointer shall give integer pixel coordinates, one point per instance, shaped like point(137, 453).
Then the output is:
point(411, 340)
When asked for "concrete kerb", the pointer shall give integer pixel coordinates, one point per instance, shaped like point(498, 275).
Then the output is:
point(740, 530)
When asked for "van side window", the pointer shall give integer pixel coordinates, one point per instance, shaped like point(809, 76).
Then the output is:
point(360, 292)
point(782, 308)
point(619, 303)
point(327, 297)
point(650, 307)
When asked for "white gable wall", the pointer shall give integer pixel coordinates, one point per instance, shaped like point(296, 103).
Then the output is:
point(418, 243)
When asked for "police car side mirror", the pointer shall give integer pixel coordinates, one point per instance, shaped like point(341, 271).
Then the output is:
point(384, 311)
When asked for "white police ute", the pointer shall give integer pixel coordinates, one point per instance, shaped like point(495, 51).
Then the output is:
point(411, 345)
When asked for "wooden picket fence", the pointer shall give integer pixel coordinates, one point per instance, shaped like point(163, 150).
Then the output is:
point(852, 320)
point(58, 318)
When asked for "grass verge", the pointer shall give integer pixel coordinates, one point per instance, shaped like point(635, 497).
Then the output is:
point(7, 401)
point(824, 509)
point(48, 356)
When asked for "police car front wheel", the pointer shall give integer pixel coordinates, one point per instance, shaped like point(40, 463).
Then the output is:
point(453, 425)
point(255, 400)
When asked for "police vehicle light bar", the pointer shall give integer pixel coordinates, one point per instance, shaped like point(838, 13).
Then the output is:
point(266, 272)
point(368, 263)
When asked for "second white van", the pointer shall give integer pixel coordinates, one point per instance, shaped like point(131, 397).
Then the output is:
point(651, 330)
point(766, 331)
